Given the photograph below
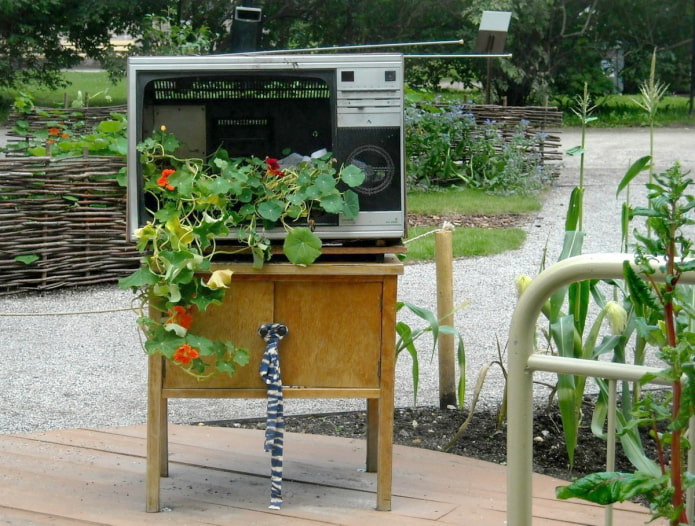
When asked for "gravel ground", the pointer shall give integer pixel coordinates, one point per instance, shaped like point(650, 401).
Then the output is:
point(88, 370)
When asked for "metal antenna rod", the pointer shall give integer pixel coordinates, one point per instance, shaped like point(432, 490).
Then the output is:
point(356, 46)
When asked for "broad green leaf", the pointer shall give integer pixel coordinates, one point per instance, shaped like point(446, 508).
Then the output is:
point(302, 247)
point(574, 210)
point(122, 177)
point(351, 208)
point(576, 150)
point(333, 204)
point(406, 343)
point(352, 176)
point(325, 184)
point(27, 259)
point(610, 487)
point(637, 167)
point(142, 277)
point(110, 126)
point(271, 210)
point(578, 298)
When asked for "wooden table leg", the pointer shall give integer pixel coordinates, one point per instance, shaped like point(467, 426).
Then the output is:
point(386, 393)
point(372, 435)
point(156, 434)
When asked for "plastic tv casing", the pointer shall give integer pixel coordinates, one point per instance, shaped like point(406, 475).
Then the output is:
point(272, 105)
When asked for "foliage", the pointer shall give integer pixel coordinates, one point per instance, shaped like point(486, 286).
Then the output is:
point(39, 38)
point(196, 202)
point(163, 35)
point(558, 45)
point(64, 133)
point(667, 249)
point(407, 336)
point(446, 145)
point(623, 111)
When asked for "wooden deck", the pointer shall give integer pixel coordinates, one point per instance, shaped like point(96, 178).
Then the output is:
point(220, 476)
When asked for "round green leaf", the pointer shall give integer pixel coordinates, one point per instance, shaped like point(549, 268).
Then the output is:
point(302, 246)
point(271, 210)
point(352, 176)
point(352, 204)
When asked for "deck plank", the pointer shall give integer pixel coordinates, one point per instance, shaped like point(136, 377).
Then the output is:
point(220, 476)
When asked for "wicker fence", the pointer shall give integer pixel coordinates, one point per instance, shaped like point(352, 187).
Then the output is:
point(62, 223)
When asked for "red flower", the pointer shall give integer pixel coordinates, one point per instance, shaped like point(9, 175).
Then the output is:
point(185, 354)
point(53, 131)
point(164, 178)
point(181, 316)
point(274, 167)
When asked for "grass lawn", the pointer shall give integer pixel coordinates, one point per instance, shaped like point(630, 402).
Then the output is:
point(468, 242)
point(95, 84)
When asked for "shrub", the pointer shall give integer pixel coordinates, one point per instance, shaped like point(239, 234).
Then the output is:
point(446, 145)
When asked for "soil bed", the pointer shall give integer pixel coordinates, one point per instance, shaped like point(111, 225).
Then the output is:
point(432, 428)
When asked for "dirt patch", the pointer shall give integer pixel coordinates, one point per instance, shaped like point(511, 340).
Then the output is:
point(432, 428)
point(469, 221)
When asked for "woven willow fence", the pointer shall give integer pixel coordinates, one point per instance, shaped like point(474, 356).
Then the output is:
point(62, 223)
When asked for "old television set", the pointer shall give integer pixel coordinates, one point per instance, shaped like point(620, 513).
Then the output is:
point(267, 105)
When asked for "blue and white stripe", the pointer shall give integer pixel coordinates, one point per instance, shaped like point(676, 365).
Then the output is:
point(272, 333)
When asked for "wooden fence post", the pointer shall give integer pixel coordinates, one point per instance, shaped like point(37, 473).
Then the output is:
point(445, 314)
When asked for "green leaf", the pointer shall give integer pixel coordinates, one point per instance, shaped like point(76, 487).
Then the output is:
point(271, 210)
point(576, 150)
point(325, 184)
point(122, 177)
point(637, 167)
point(574, 210)
point(110, 126)
point(120, 146)
point(609, 487)
point(333, 204)
point(302, 247)
point(142, 277)
point(351, 204)
point(27, 259)
point(352, 176)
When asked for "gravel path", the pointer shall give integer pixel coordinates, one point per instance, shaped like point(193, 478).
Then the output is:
point(88, 370)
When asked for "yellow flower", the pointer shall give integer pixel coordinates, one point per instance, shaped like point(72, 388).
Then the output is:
point(617, 317)
point(144, 232)
point(522, 283)
point(220, 279)
point(182, 236)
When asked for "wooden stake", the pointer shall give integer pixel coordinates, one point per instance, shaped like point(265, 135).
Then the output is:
point(445, 314)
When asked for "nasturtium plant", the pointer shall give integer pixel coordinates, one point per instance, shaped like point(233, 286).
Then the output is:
point(201, 209)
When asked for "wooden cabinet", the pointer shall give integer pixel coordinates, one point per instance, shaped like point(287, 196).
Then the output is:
point(341, 319)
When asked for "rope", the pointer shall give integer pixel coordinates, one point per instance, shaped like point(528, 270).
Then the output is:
point(272, 333)
point(446, 227)
point(75, 313)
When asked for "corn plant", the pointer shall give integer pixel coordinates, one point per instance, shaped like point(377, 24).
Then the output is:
point(407, 336)
point(673, 333)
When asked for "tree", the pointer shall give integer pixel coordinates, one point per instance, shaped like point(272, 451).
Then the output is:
point(38, 38)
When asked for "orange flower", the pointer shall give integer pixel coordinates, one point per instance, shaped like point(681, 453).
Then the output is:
point(164, 178)
point(181, 316)
point(185, 354)
point(274, 167)
point(54, 131)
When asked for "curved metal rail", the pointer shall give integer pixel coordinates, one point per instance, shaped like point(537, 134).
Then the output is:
point(523, 363)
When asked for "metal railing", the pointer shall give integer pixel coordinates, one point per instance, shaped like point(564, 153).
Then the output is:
point(523, 363)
